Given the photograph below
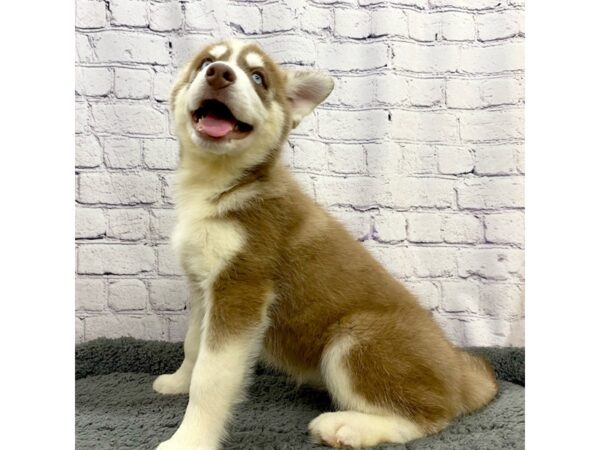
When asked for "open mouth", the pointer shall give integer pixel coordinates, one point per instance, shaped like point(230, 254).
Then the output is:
point(215, 120)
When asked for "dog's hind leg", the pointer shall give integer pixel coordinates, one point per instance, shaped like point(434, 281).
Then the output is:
point(359, 424)
point(179, 381)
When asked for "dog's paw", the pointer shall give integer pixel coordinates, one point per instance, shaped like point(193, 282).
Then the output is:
point(174, 383)
point(174, 444)
point(332, 429)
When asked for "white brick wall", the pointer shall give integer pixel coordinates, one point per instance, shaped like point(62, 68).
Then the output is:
point(419, 149)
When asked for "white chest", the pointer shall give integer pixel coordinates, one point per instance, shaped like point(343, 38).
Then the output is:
point(206, 245)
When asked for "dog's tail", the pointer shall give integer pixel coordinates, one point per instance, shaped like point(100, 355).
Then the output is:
point(479, 386)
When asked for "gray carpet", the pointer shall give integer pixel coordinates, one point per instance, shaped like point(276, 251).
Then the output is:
point(116, 407)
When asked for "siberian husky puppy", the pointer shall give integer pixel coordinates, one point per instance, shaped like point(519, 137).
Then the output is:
point(274, 276)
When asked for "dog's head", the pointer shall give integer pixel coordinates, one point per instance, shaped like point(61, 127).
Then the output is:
point(232, 97)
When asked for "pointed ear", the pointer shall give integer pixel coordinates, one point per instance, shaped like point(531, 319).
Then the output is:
point(305, 91)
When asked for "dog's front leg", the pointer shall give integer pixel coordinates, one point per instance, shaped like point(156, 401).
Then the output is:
point(179, 381)
point(231, 339)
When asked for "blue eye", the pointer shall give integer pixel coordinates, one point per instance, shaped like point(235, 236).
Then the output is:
point(206, 63)
point(257, 78)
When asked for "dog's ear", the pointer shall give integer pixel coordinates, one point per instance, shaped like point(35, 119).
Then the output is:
point(305, 91)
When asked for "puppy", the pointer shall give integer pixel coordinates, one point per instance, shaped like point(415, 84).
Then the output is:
point(274, 276)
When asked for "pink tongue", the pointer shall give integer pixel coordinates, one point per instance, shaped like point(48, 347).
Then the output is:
point(214, 126)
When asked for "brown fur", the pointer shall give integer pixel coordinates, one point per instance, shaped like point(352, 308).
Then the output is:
point(326, 285)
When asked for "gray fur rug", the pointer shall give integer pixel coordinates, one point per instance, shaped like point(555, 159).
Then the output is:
point(116, 407)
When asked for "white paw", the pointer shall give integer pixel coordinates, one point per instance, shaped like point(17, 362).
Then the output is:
point(175, 444)
point(175, 383)
point(172, 445)
point(332, 429)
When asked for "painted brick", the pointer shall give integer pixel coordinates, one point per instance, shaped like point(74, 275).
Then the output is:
point(310, 155)
point(348, 56)
point(127, 224)
point(390, 226)
point(128, 46)
point(277, 17)
point(458, 26)
point(90, 223)
point(425, 58)
point(316, 20)
point(161, 153)
point(427, 126)
point(127, 295)
point(419, 159)
point(359, 191)
point(200, 16)
point(133, 13)
point(461, 229)
point(90, 294)
point(499, 25)
point(358, 125)
point(427, 293)
point(165, 16)
point(178, 325)
point(90, 14)
point(113, 326)
point(168, 295)
point(81, 117)
point(495, 159)
point(119, 188)
point(117, 259)
point(426, 91)
point(167, 261)
point(347, 158)
point(83, 49)
point(471, 94)
point(505, 228)
point(358, 223)
point(465, 4)
point(491, 59)
point(491, 263)
point(384, 158)
point(132, 83)
point(424, 227)
point(424, 27)
point(460, 296)
point(291, 50)
point(389, 21)
point(454, 160)
point(420, 4)
point(433, 262)
point(162, 223)
point(352, 23)
point(391, 89)
point(481, 126)
point(93, 81)
point(246, 19)
point(88, 151)
point(490, 332)
point(162, 86)
point(168, 187)
point(395, 259)
point(122, 153)
point(491, 193)
point(425, 192)
point(353, 91)
point(502, 300)
point(124, 118)
point(79, 330)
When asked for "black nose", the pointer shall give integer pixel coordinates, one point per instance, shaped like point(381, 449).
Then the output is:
point(219, 75)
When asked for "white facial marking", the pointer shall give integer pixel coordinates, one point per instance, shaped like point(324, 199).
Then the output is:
point(218, 51)
point(254, 60)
